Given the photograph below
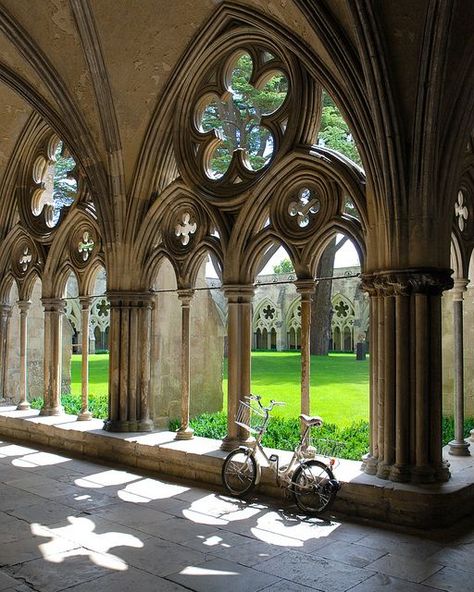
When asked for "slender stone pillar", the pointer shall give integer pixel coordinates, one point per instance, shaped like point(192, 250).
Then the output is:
point(5, 316)
point(306, 290)
point(406, 374)
point(185, 297)
point(129, 362)
point(458, 446)
point(239, 299)
point(23, 306)
point(85, 414)
point(54, 309)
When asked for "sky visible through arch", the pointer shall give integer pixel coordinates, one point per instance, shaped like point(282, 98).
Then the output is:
point(346, 257)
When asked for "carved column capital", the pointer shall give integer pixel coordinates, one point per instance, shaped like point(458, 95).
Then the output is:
point(85, 302)
point(460, 286)
point(305, 288)
point(130, 299)
point(404, 282)
point(239, 294)
point(57, 305)
point(24, 306)
point(185, 296)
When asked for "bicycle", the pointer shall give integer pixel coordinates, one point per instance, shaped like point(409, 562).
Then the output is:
point(310, 481)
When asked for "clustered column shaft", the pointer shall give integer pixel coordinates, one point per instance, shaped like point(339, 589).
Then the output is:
point(23, 306)
point(458, 446)
point(405, 401)
point(85, 414)
point(53, 323)
point(306, 290)
point(239, 299)
point(129, 371)
point(185, 296)
point(5, 315)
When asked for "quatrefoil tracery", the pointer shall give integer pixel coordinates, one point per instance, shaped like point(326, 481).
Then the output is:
point(305, 206)
point(236, 118)
point(461, 212)
point(86, 246)
point(185, 228)
point(25, 259)
point(237, 115)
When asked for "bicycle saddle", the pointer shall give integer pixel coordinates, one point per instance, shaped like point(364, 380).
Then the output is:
point(314, 420)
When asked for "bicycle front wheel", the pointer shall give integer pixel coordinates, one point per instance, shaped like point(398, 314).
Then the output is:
point(239, 472)
point(314, 487)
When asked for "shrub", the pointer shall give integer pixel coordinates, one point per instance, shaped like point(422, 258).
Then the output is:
point(98, 404)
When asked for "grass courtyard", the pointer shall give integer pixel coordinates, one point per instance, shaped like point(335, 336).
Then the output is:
point(339, 383)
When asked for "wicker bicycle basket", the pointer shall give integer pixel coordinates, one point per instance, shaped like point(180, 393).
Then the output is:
point(250, 416)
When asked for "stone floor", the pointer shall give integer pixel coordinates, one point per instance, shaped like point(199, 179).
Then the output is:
point(67, 524)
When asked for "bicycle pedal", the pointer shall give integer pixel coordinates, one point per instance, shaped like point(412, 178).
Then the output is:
point(273, 458)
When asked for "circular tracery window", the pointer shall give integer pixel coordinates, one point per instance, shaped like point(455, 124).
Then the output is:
point(54, 177)
point(236, 117)
point(238, 114)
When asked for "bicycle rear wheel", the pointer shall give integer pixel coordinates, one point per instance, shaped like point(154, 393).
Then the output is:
point(314, 487)
point(239, 472)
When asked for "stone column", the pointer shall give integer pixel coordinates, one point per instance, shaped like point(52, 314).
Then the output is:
point(85, 414)
point(406, 394)
point(5, 316)
point(129, 362)
point(306, 290)
point(458, 446)
point(54, 309)
point(239, 331)
point(185, 297)
point(23, 306)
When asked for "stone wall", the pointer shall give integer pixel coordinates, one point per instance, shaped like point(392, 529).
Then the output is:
point(35, 372)
point(207, 352)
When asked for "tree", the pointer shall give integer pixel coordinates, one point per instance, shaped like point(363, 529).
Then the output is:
point(285, 266)
point(334, 131)
point(237, 120)
point(65, 185)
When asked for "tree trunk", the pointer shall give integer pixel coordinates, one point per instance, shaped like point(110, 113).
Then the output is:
point(321, 311)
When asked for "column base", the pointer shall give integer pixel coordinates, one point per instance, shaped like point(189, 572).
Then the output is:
point(145, 425)
point(459, 448)
point(46, 411)
point(369, 464)
point(23, 406)
point(383, 470)
point(84, 416)
point(184, 434)
point(231, 443)
point(400, 474)
point(423, 474)
point(117, 425)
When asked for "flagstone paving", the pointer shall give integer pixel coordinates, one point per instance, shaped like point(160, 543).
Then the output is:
point(67, 524)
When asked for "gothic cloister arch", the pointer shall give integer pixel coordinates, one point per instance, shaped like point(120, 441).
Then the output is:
point(145, 193)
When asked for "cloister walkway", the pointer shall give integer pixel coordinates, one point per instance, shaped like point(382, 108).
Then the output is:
point(68, 524)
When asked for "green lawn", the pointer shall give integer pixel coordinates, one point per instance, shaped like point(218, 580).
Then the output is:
point(339, 390)
point(339, 383)
point(98, 374)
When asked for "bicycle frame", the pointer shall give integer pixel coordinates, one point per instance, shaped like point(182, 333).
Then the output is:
point(282, 474)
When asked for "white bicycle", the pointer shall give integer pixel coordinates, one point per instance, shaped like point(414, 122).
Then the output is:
point(308, 476)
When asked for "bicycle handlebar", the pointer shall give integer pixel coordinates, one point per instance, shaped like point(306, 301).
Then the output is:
point(272, 402)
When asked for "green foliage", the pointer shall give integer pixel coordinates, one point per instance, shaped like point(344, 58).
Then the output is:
point(285, 266)
point(98, 405)
point(335, 133)
point(65, 185)
point(237, 120)
point(448, 428)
